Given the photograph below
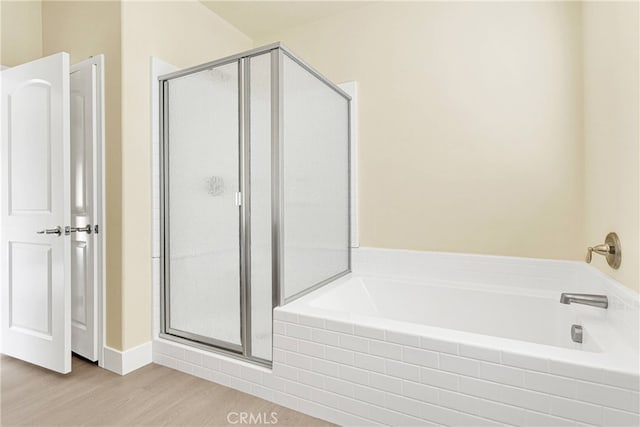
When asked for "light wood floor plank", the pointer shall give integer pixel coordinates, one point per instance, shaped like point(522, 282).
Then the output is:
point(151, 396)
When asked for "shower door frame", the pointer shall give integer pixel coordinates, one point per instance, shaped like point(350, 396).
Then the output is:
point(276, 51)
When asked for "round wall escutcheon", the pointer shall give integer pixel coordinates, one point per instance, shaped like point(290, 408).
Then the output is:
point(614, 257)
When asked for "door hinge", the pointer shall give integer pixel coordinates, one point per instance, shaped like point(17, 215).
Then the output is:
point(238, 198)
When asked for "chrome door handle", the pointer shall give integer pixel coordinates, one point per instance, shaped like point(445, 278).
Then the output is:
point(85, 229)
point(57, 230)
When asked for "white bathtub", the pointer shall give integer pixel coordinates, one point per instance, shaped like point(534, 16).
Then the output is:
point(414, 338)
point(503, 318)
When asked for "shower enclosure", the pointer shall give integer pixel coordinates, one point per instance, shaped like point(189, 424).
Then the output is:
point(254, 196)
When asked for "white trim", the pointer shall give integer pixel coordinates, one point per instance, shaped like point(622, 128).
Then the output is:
point(351, 88)
point(123, 362)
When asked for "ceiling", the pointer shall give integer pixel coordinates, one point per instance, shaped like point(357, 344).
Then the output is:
point(259, 18)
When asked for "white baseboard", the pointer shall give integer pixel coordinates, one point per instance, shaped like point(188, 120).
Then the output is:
point(123, 362)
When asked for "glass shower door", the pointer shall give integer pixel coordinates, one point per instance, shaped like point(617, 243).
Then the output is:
point(202, 223)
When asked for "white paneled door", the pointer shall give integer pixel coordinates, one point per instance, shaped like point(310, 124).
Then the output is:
point(85, 133)
point(35, 194)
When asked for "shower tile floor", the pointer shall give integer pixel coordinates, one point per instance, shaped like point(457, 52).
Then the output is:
point(151, 396)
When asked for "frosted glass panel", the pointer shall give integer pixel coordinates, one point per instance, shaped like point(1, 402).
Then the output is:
point(316, 167)
point(203, 175)
point(260, 160)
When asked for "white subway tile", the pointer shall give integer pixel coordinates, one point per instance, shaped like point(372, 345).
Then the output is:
point(501, 374)
point(458, 365)
point(285, 371)
point(526, 399)
point(551, 384)
point(240, 384)
point(481, 353)
point(311, 348)
point(297, 389)
point(326, 398)
point(211, 362)
point(401, 338)
point(621, 379)
point(170, 349)
point(230, 367)
point(355, 407)
point(333, 325)
point(402, 370)
point(420, 357)
point(287, 400)
point(278, 355)
point(484, 389)
point(524, 361)
point(279, 383)
point(571, 370)
point(185, 367)
point(420, 392)
point(355, 375)
point(367, 332)
point(324, 367)
point(201, 372)
point(385, 382)
point(339, 386)
point(483, 408)
point(604, 395)
point(352, 342)
point(403, 404)
point(575, 410)
point(384, 349)
point(505, 394)
point(438, 378)
point(614, 417)
point(164, 360)
point(279, 327)
point(220, 378)
point(314, 322)
point(193, 357)
point(538, 419)
point(251, 374)
point(451, 417)
point(394, 418)
point(285, 343)
point(339, 355)
point(368, 394)
point(370, 363)
point(263, 392)
point(325, 337)
point(298, 331)
point(311, 378)
point(298, 360)
point(439, 345)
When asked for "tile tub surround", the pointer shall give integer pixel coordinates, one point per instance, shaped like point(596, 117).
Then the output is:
point(350, 374)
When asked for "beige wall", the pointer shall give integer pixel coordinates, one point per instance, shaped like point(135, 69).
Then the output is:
point(470, 122)
point(84, 29)
point(182, 33)
point(612, 131)
point(21, 32)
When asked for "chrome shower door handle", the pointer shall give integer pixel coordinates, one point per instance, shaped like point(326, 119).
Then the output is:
point(57, 230)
